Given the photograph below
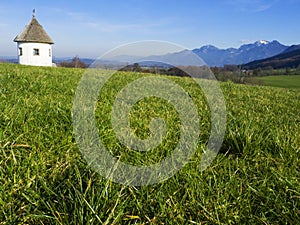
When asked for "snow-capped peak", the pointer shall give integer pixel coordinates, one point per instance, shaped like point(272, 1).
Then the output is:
point(262, 42)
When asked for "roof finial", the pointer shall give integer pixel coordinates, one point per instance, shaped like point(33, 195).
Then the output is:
point(33, 13)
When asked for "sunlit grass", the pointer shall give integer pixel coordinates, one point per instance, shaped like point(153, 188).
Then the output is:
point(45, 180)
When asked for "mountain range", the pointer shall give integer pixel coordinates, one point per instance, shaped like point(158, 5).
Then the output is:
point(214, 56)
point(290, 58)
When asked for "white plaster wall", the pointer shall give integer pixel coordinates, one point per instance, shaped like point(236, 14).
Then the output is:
point(28, 58)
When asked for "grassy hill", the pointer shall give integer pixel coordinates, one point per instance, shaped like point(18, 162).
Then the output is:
point(45, 180)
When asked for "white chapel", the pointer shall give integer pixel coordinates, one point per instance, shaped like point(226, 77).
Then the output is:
point(34, 45)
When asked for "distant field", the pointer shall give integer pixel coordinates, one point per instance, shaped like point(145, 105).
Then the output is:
point(45, 180)
point(284, 81)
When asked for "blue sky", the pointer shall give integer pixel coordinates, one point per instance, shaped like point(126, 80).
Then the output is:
point(89, 28)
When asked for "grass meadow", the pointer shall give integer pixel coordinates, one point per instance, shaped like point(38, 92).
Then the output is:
point(255, 178)
point(284, 81)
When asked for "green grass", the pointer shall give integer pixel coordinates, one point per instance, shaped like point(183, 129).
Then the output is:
point(44, 179)
point(284, 81)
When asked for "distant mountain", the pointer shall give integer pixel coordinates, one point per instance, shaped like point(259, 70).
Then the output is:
point(58, 60)
point(182, 58)
point(287, 59)
point(214, 56)
point(292, 48)
point(8, 59)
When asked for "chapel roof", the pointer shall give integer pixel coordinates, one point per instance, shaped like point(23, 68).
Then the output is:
point(34, 32)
